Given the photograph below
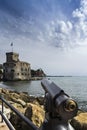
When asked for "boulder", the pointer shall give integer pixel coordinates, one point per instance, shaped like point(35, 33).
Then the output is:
point(32, 107)
point(16, 121)
point(35, 113)
point(18, 106)
point(80, 121)
point(6, 111)
point(24, 96)
point(19, 101)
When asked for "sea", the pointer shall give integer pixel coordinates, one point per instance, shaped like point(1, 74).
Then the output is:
point(75, 87)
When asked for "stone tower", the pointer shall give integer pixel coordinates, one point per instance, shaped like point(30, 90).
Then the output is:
point(14, 69)
point(12, 57)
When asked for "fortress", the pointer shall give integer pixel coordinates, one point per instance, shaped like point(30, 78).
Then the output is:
point(14, 69)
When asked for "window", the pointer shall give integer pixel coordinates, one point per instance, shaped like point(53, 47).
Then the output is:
point(25, 69)
point(21, 69)
point(12, 70)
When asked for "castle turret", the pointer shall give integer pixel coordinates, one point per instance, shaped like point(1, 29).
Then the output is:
point(12, 57)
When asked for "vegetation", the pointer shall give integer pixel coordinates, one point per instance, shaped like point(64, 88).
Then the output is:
point(37, 73)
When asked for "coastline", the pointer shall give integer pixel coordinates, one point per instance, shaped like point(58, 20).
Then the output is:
point(33, 108)
point(36, 78)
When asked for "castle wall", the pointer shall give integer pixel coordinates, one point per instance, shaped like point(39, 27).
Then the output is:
point(15, 69)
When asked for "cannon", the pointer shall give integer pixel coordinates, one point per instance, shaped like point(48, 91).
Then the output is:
point(59, 107)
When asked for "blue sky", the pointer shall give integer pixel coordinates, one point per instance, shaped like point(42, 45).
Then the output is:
point(49, 34)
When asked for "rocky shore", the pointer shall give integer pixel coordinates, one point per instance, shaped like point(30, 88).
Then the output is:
point(32, 108)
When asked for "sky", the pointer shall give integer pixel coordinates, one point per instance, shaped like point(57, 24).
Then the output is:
point(48, 34)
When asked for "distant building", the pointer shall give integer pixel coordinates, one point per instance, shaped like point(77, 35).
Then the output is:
point(14, 69)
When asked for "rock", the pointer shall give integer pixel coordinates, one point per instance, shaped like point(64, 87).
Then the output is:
point(6, 111)
point(16, 121)
point(80, 121)
point(28, 105)
point(9, 95)
point(32, 111)
point(19, 101)
point(32, 108)
point(25, 97)
point(40, 100)
point(35, 113)
point(29, 112)
point(4, 90)
point(19, 107)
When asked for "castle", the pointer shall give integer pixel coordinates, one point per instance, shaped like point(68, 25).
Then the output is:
point(14, 69)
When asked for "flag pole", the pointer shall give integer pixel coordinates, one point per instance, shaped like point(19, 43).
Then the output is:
point(12, 46)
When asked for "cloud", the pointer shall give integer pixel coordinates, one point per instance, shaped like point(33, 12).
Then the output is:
point(41, 22)
point(81, 13)
point(61, 33)
point(42, 32)
point(67, 33)
point(80, 26)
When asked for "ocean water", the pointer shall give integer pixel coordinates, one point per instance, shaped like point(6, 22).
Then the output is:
point(75, 87)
